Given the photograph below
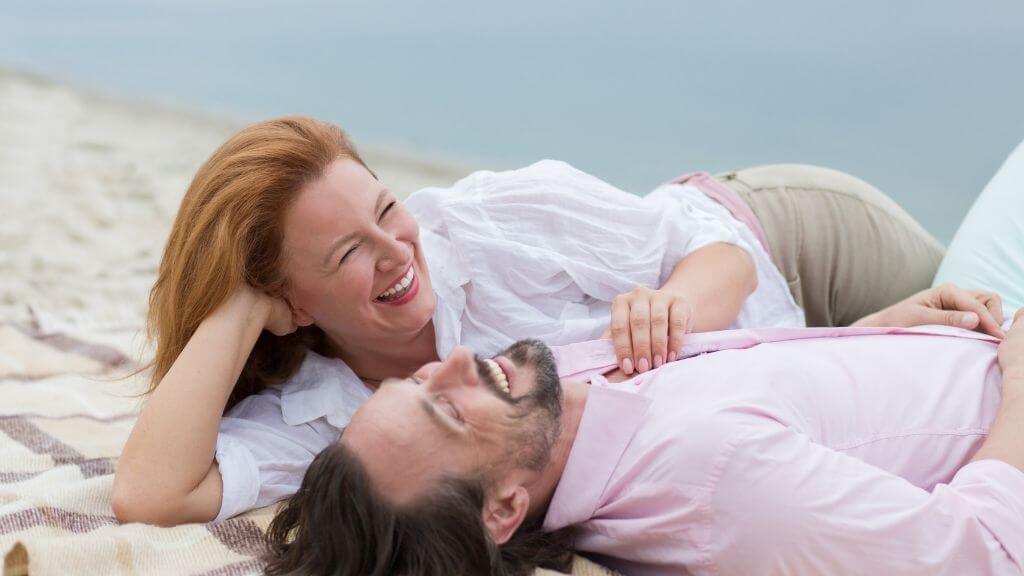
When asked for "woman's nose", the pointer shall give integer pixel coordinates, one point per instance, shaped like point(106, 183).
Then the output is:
point(394, 253)
point(457, 370)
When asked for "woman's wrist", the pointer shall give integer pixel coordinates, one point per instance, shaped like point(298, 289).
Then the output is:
point(244, 308)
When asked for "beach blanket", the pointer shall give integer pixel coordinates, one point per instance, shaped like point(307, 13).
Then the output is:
point(65, 413)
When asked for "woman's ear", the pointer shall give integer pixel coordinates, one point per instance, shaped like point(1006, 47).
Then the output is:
point(505, 511)
point(299, 315)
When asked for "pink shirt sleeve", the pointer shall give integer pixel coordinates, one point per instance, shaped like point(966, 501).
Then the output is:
point(784, 504)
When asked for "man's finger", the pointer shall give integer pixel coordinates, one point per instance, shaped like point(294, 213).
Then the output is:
point(640, 333)
point(619, 332)
point(659, 330)
point(953, 298)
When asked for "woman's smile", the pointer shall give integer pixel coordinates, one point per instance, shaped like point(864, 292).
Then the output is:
point(403, 290)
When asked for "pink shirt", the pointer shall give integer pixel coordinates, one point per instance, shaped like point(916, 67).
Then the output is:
point(795, 451)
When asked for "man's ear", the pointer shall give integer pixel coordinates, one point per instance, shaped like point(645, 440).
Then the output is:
point(504, 511)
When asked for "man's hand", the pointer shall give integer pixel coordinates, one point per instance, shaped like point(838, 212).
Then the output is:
point(648, 326)
point(1003, 441)
point(1011, 351)
point(947, 305)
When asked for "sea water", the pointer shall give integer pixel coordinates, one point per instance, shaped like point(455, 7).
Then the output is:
point(923, 98)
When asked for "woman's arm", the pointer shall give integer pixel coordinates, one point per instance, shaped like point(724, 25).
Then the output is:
point(705, 292)
point(717, 280)
point(167, 474)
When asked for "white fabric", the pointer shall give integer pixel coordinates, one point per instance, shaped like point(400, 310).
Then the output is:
point(538, 252)
point(772, 303)
point(262, 458)
point(988, 249)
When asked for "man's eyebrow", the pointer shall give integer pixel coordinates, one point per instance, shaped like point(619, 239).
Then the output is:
point(438, 419)
point(345, 239)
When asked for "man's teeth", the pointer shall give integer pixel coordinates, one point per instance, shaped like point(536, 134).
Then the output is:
point(498, 374)
point(399, 289)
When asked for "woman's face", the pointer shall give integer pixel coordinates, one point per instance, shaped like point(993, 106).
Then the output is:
point(352, 256)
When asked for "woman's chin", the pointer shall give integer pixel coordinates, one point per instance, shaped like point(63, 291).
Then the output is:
point(410, 317)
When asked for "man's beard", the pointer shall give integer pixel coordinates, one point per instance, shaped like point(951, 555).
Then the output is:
point(539, 412)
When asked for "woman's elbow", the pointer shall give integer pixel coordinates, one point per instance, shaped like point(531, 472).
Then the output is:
point(748, 272)
point(132, 503)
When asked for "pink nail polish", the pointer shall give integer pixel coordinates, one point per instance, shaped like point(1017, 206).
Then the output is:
point(642, 365)
point(627, 366)
point(671, 356)
point(658, 361)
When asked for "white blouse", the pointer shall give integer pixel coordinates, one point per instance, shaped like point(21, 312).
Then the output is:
point(538, 252)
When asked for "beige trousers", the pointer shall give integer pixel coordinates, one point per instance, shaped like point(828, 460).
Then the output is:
point(845, 248)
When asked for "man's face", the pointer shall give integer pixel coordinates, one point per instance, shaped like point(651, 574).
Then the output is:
point(465, 417)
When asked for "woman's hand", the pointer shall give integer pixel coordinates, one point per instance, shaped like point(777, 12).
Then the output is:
point(271, 313)
point(280, 320)
point(648, 326)
point(947, 305)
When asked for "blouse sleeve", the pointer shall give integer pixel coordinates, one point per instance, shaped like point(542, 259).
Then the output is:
point(787, 505)
point(553, 227)
point(261, 458)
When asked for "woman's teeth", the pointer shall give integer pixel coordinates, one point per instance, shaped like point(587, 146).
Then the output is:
point(399, 289)
point(499, 375)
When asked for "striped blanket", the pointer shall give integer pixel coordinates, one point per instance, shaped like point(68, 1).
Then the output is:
point(65, 413)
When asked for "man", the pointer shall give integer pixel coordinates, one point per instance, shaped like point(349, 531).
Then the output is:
point(805, 451)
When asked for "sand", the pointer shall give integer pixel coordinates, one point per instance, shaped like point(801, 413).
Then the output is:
point(89, 185)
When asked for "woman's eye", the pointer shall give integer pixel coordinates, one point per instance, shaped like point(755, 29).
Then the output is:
point(347, 254)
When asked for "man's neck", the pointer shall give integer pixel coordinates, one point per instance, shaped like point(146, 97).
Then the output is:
point(574, 400)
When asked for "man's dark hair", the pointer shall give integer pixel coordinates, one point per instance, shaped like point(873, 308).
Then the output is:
point(338, 524)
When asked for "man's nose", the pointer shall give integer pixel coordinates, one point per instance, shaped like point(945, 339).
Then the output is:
point(457, 370)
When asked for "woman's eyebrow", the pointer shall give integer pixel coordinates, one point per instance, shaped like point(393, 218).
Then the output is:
point(380, 200)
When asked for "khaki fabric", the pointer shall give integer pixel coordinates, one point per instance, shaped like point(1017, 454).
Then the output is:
point(845, 248)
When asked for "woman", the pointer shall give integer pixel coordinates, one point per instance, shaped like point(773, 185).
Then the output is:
point(293, 282)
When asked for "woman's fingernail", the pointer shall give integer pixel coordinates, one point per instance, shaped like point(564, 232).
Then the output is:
point(969, 320)
point(658, 361)
point(642, 365)
point(627, 366)
point(671, 356)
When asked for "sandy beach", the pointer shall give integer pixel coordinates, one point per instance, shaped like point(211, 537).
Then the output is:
point(89, 185)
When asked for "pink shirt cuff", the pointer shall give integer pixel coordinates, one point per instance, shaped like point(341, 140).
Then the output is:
point(996, 491)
